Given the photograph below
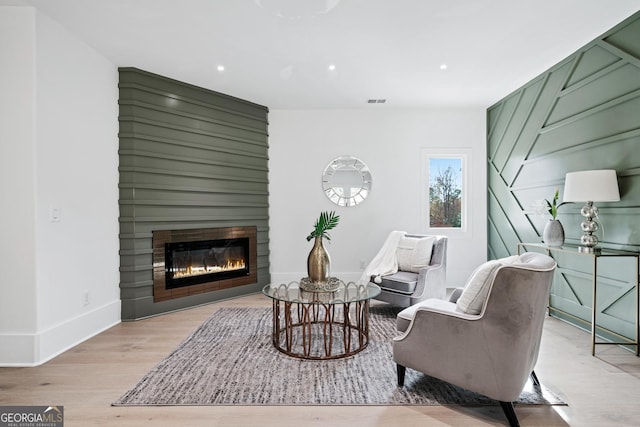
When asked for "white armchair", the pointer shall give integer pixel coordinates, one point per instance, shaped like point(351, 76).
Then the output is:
point(407, 287)
point(488, 340)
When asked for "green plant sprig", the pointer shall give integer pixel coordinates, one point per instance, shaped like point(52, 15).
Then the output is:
point(324, 223)
point(552, 206)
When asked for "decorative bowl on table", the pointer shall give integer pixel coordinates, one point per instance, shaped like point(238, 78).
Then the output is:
point(331, 285)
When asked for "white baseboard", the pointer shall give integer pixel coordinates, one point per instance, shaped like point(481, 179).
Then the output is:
point(17, 350)
point(24, 350)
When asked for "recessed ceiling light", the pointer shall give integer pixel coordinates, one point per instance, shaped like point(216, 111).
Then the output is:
point(443, 66)
point(221, 68)
point(332, 67)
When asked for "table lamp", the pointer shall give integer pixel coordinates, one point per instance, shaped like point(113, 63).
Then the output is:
point(590, 186)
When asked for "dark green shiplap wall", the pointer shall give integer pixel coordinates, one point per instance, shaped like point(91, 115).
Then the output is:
point(189, 158)
point(582, 114)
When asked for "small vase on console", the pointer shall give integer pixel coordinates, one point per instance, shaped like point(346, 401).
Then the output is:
point(553, 234)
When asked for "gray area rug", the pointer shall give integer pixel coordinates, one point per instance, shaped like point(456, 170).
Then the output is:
point(230, 360)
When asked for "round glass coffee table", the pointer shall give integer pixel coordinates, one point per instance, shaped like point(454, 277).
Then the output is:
point(321, 325)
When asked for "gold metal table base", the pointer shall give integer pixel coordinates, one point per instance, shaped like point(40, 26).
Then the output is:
point(320, 331)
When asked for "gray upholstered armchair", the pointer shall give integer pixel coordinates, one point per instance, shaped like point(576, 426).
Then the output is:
point(407, 287)
point(488, 339)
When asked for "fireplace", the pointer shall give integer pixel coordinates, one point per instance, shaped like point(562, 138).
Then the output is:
point(191, 263)
point(188, 262)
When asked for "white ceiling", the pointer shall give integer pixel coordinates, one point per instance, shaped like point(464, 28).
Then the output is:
point(277, 52)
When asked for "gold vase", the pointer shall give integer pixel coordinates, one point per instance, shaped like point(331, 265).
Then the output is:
point(318, 262)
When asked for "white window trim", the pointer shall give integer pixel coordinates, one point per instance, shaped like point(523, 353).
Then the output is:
point(465, 154)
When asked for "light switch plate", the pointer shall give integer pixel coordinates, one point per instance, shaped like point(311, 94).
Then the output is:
point(54, 214)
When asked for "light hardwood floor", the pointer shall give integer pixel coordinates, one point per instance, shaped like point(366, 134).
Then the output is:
point(601, 391)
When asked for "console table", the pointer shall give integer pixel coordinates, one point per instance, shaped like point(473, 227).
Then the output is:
point(595, 256)
point(321, 325)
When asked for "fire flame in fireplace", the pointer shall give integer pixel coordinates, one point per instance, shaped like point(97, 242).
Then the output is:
point(208, 269)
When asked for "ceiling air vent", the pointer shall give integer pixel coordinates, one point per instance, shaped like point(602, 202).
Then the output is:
point(376, 101)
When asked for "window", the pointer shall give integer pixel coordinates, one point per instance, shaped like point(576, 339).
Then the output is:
point(445, 191)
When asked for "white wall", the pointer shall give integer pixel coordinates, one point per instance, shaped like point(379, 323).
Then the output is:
point(74, 169)
point(389, 141)
point(18, 315)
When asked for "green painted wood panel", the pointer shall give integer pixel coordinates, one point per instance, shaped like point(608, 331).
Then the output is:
point(592, 61)
point(583, 113)
point(189, 158)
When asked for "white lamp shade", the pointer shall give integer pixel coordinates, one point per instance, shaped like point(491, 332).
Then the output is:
point(591, 186)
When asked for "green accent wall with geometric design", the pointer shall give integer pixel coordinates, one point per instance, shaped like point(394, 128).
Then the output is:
point(582, 114)
point(189, 158)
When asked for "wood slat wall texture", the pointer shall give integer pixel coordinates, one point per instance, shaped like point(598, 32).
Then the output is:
point(582, 114)
point(189, 158)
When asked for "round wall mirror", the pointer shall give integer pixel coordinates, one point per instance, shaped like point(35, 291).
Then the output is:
point(346, 181)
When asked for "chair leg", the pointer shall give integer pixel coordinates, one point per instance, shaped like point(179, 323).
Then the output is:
point(534, 378)
point(510, 412)
point(401, 370)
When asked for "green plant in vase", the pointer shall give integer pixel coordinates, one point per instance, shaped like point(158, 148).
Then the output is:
point(318, 261)
point(553, 234)
point(326, 222)
point(552, 206)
